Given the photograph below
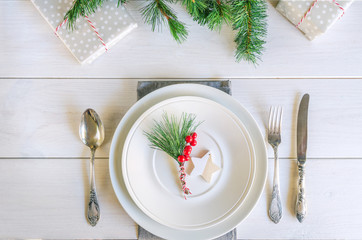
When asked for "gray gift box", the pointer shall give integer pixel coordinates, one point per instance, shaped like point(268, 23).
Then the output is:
point(313, 17)
point(111, 22)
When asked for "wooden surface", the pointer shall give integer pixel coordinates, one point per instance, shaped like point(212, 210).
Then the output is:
point(44, 166)
point(41, 114)
point(43, 91)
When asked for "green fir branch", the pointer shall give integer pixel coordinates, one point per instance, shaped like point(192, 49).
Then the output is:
point(178, 30)
point(247, 17)
point(81, 8)
point(121, 2)
point(157, 12)
point(169, 134)
point(216, 13)
point(194, 7)
point(249, 20)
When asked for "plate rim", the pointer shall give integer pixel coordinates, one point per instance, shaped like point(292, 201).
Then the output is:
point(152, 98)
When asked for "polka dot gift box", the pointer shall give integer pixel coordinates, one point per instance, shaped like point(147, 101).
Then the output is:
point(313, 17)
point(93, 35)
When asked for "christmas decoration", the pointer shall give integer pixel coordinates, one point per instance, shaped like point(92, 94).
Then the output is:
point(247, 18)
point(95, 32)
point(204, 167)
point(313, 17)
point(169, 135)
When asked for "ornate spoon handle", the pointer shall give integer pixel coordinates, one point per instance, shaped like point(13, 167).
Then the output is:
point(93, 213)
point(301, 205)
point(275, 209)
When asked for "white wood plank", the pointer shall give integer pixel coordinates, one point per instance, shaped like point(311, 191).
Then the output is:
point(334, 118)
point(46, 198)
point(333, 198)
point(40, 117)
point(30, 49)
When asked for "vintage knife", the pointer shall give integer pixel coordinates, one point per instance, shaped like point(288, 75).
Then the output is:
point(302, 135)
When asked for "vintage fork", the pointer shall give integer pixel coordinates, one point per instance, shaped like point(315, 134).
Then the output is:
point(274, 139)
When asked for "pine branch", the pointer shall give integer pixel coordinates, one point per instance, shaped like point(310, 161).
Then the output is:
point(216, 13)
point(249, 19)
point(121, 2)
point(194, 7)
point(169, 134)
point(81, 8)
point(157, 12)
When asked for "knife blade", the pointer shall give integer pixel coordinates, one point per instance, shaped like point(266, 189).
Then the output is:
point(302, 137)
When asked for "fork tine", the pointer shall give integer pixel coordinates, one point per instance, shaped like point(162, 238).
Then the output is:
point(270, 119)
point(275, 119)
point(280, 119)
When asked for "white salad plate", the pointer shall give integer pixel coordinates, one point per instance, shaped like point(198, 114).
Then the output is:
point(123, 130)
point(152, 177)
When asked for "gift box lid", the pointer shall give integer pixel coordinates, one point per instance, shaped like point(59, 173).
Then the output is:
point(313, 17)
point(93, 35)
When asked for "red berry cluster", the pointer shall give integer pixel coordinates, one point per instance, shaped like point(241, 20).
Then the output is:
point(190, 141)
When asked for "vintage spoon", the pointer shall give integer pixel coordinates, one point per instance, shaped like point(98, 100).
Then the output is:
point(91, 132)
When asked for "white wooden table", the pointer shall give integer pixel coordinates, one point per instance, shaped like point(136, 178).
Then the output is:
point(43, 91)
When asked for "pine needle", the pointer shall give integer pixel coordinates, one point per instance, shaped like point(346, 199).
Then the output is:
point(121, 2)
point(81, 8)
point(178, 30)
point(194, 7)
point(216, 13)
point(157, 12)
point(249, 19)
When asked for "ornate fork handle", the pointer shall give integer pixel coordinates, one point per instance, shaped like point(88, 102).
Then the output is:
point(301, 204)
point(275, 209)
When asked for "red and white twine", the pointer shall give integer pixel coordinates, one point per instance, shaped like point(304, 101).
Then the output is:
point(340, 7)
point(312, 6)
point(94, 29)
point(59, 26)
point(92, 26)
point(185, 189)
point(305, 15)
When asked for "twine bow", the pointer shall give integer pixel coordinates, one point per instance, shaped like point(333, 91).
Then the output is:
point(312, 6)
point(92, 26)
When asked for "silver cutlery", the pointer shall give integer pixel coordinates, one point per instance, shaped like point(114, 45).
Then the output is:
point(301, 205)
point(91, 132)
point(274, 139)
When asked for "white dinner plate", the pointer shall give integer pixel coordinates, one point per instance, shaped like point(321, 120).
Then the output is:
point(151, 176)
point(115, 161)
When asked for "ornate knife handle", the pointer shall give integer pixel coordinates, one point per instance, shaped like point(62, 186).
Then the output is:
point(301, 205)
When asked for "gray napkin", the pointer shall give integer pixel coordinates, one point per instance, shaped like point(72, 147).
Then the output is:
point(144, 88)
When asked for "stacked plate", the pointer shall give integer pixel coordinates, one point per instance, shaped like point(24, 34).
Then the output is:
point(146, 180)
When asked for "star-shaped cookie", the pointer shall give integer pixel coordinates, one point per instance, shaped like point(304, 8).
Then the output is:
point(202, 166)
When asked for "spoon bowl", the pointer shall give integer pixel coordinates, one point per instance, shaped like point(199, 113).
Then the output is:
point(91, 129)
